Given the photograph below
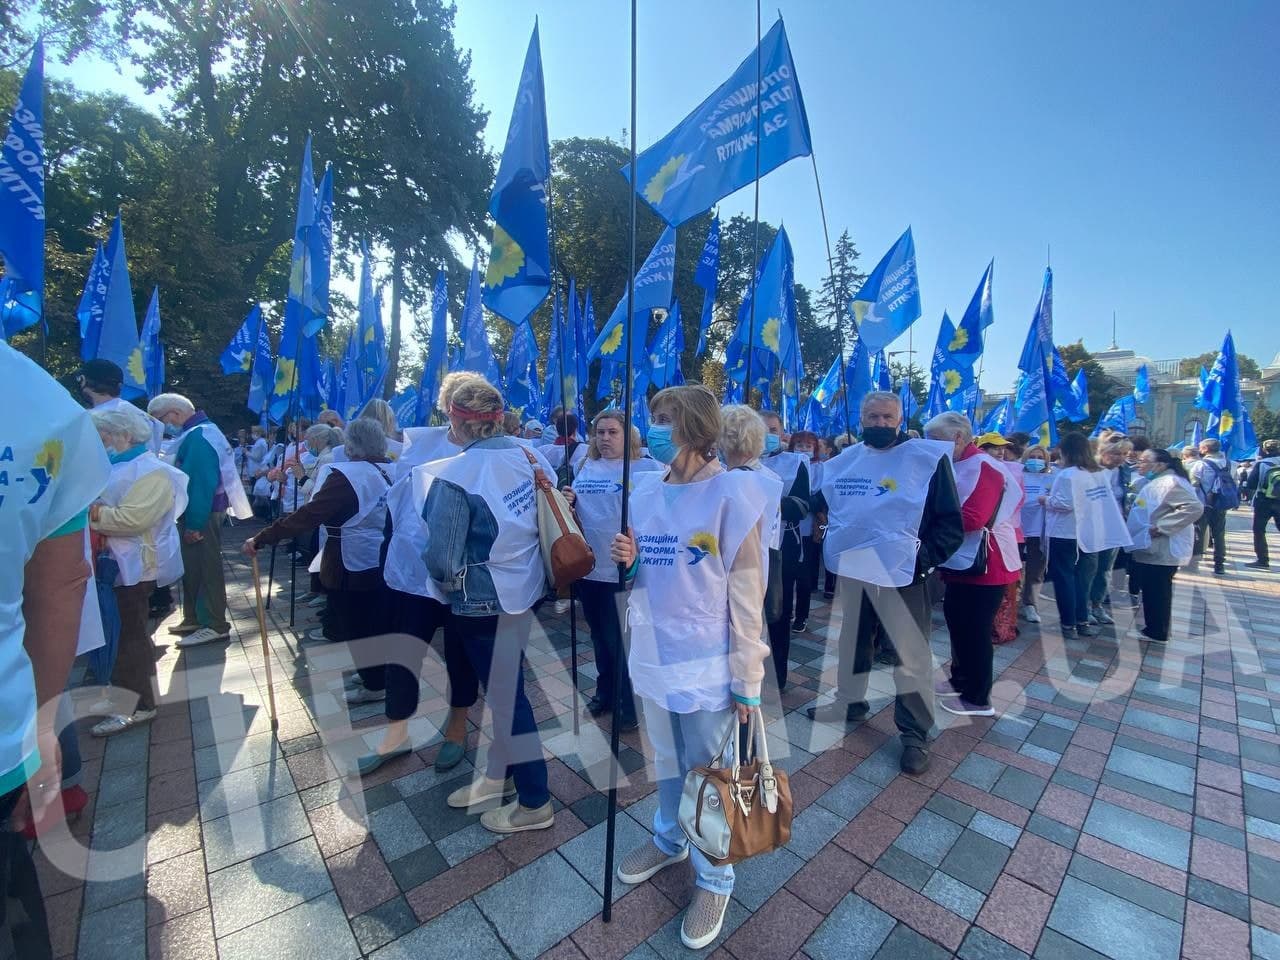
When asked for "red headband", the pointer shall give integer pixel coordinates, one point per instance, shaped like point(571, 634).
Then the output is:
point(461, 414)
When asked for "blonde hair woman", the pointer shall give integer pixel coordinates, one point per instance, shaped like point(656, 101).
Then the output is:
point(1113, 454)
point(696, 559)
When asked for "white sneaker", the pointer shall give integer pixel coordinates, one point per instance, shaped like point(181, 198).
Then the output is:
point(480, 792)
point(1030, 614)
point(201, 636)
point(356, 695)
point(1101, 615)
point(562, 606)
point(118, 723)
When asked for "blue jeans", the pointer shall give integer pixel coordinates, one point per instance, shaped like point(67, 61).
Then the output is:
point(68, 740)
point(682, 741)
point(1101, 585)
point(1072, 572)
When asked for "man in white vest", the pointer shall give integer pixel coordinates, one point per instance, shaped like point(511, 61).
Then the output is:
point(213, 490)
point(893, 515)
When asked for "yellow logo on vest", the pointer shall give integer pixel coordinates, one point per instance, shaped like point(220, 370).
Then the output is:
point(887, 485)
point(702, 545)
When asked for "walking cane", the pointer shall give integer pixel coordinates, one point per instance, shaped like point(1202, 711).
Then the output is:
point(271, 573)
point(262, 629)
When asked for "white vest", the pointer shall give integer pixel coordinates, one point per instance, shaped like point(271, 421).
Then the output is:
point(1002, 531)
point(773, 488)
point(362, 533)
point(256, 456)
point(875, 502)
point(785, 465)
point(406, 570)
point(1100, 524)
point(394, 449)
point(1147, 502)
point(598, 486)
point(688, 537)
point(503, 478)
point(237, 502)
point(127, 551)
point(1034, 486)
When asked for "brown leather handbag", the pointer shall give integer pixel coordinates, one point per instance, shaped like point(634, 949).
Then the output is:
point(742, 810)
point(565, 552)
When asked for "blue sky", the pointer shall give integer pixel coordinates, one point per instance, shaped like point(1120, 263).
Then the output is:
point(1137, 140)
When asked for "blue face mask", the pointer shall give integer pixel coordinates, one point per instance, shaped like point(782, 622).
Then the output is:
point(661, 447)
point(1034, 465)
point(170, 430)
point(772, 443)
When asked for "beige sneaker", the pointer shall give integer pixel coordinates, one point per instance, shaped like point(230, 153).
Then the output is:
point(643, 862)
point(119, 723)
point(703, 919)
point(513, 818)
point(479, 792)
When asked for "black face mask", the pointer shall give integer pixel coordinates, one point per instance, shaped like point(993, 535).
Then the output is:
point(879, 437)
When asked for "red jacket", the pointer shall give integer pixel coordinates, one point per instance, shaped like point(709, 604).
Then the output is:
point(975, 514)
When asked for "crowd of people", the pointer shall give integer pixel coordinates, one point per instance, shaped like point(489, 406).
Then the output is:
point(433, 532)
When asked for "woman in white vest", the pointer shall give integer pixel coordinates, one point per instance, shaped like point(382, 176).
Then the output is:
point(380, 412)
point(596, 497)
point(1162, 524)
point(989, 500)
point(696, 559)
point(1082, 520)
point(136, 514)
point(350, 510)
point(482, 552)
point(793, 470)
point(1036, 481)
point(1112, 452)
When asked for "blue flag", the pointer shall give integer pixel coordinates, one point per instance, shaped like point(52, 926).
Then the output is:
point(320, 241)
point(828, 386)
point(1031, 406)
point(238, 355)
point(1222, 397)
point(666, 350)
point(1247, 447)
point(775, 312)
point(94, 300)
point(584, 335)
point(22, 204)
point(325, 386)
point(300, 303)
point(405, 407)
point(888, 302)
point(523, 394)
point(262, 372)
point(653, 285)
point(951, 376)
point(1204, 380)
point(1066, 402)
point(813, 417)
point(1197, 433)
point(707, 276)
point(1142, 385)
point(519, 273)
point(309, 377)
point(640, 414)
point(966, 346)
point(712, 152)
point(880, 375)
point(118, 336)
point(1039, 340)
point(1119, 416)
point(437, 360)
point(910, 406)
point(347, 382)
point(371, 335)
point(1080, 395)
point(998, 417)
point(150, 350)
point(477, 354)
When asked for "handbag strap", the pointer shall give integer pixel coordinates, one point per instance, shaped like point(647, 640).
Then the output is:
point(539, 478)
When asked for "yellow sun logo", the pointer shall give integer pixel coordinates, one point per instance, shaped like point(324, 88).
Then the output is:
point(136, 369)
point(771, 333)
point(505, 258)
point(959, 341)
point(284, 376)
point(887, 485)
point(1226, 422)
point(612, 342)
point(860, 308)
point(246, 361)
point(701, 545)
point(951, 382)
point(368, 335)
point(656, 188)
point(49, 458)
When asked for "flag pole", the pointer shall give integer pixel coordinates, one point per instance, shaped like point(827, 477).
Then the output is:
point(611, 817)
point(294, 398)
point(755, 241)
point(835, 300)
point(558, 333)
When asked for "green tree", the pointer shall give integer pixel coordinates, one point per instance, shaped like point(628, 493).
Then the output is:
point(1190, 366)
point(1266, 422)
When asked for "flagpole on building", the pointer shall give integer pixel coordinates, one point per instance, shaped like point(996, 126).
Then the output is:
point(835, 305)
point(755, 242)
point(611, 816)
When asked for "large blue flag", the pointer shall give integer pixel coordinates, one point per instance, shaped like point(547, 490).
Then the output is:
point(309, 378)
point(666, 350)
point(1032, 410)
point(523, 394)
point(1039, 340)
point(888, 302)
point(653, 285)
point(775, 312)
point(22, 204)
point(999, 417)
point(712, 152)
point(1080, 394)
point(1204, 380)
point(707, 276)
point(881, 376)
point(150, 351)
point(239, 353)
point(262, 372)
point(1142, 385)
point(828, 386)
point(405, 407)
point(94, 300)
point(300, 303)
point(320, 242)
point(1066, 400)
point(477, 354)
point(966, 347)
point(951, 376)
point(519, 272)
point(437, 360)
point(371, 335)
point(118, 336)
point(1222, 397)
point(813, 417)
point(1119, 416)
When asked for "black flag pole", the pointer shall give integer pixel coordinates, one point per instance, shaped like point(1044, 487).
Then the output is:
point(755, 240)
point(611, 817)
point(290, 416)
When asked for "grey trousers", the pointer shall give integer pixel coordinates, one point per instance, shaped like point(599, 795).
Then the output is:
point(204, 589)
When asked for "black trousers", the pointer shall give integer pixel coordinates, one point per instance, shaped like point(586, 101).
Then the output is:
point(24, 927)
point(1156, 583)
point(1212, 523)
point(970, 609)
point(807, 578)
point(1265, 510)
point(419, 617)
point(600, 605)
point(780, 629)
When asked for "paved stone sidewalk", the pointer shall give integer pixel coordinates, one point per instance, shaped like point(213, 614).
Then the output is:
point(1126, 805)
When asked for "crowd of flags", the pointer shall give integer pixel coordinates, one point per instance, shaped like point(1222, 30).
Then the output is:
point(722, 145)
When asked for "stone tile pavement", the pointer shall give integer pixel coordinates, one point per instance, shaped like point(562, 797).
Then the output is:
point(1125, 804)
